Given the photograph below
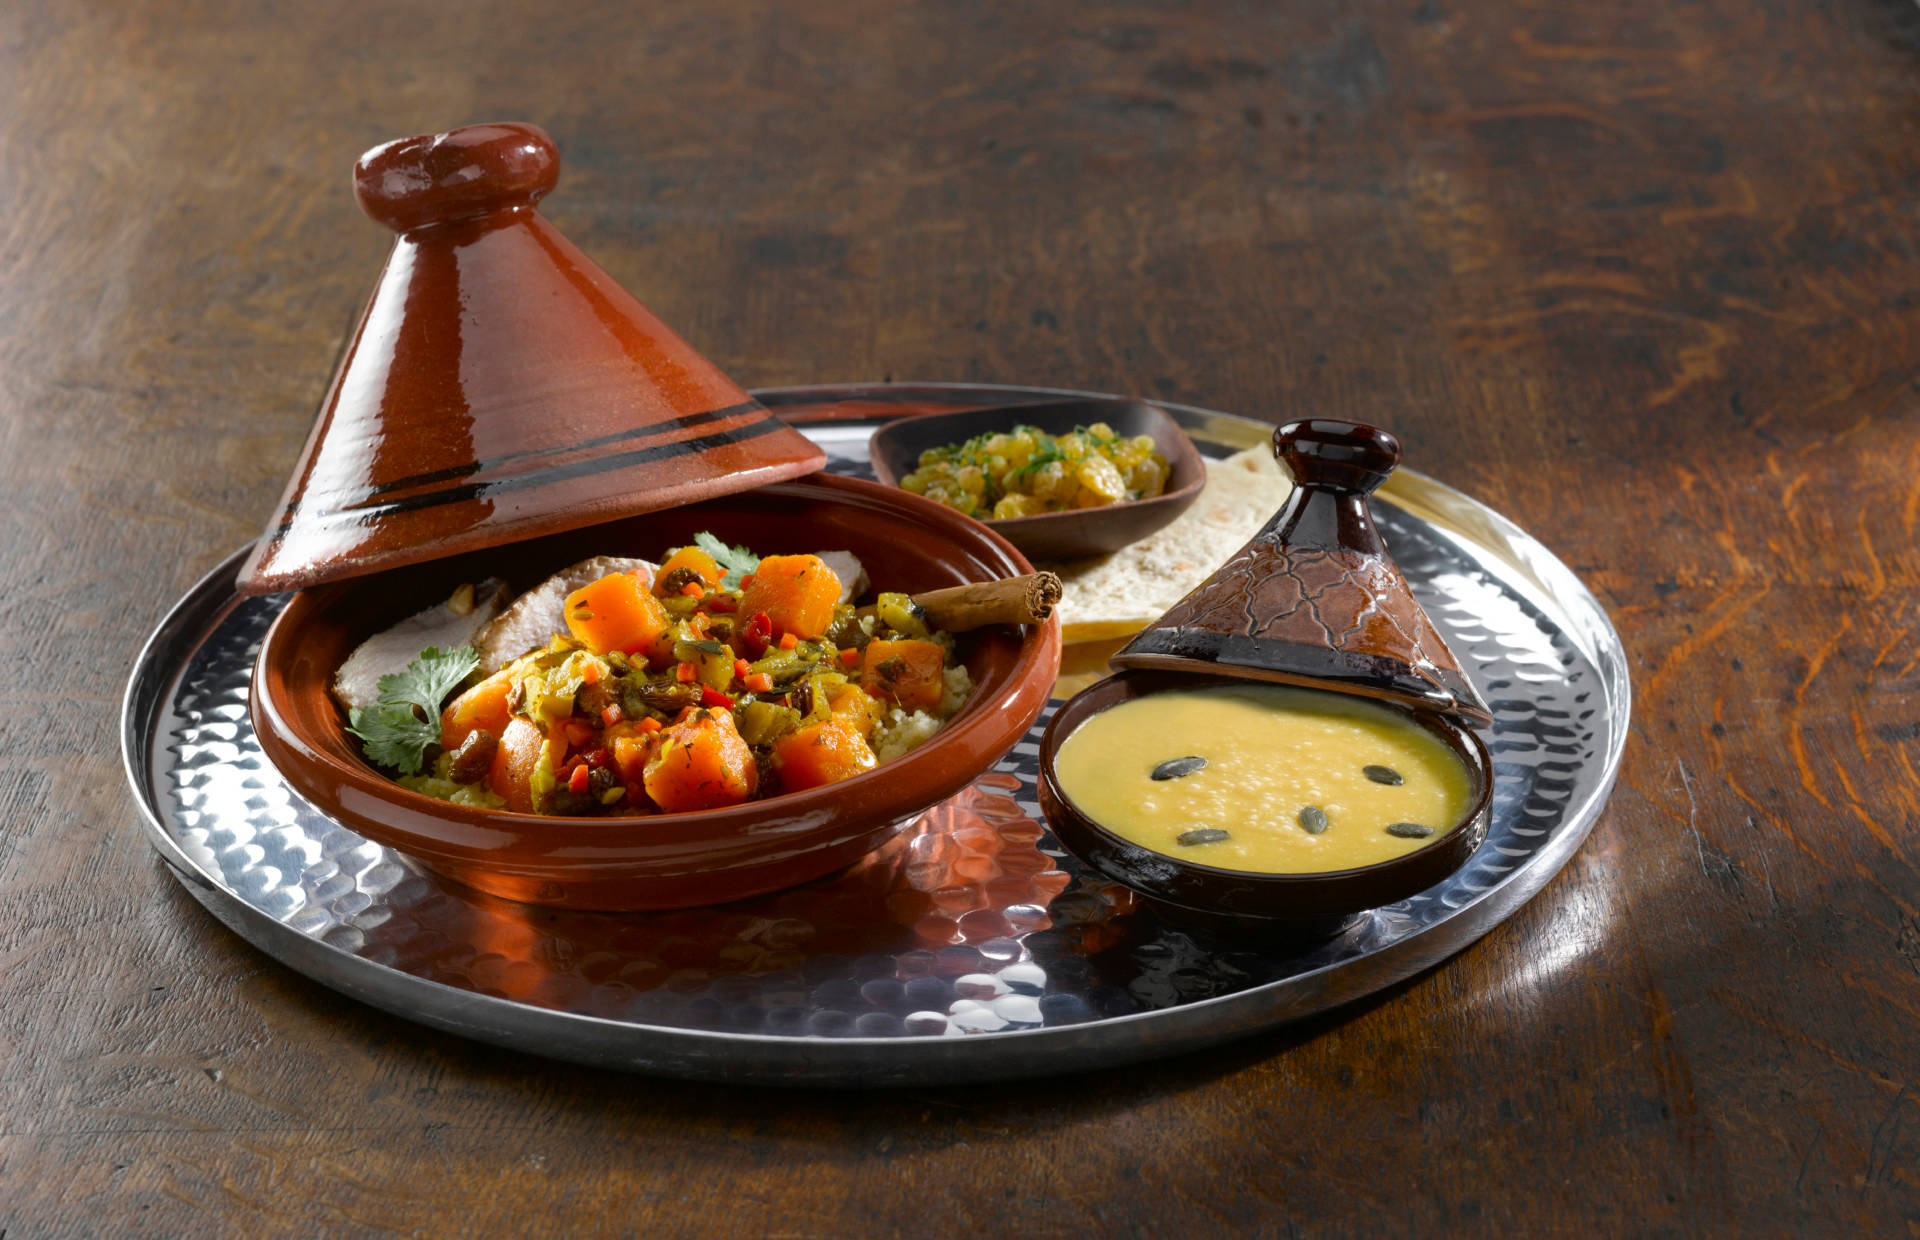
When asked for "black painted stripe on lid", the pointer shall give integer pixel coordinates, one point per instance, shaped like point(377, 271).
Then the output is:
point(551, 474)
point(650, 431)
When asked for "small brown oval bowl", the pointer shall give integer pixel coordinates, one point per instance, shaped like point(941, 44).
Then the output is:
point(896, 447)
point(663, 860)
point(1305, 906)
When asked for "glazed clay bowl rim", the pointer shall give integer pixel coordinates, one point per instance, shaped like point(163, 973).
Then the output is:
point(329, 770)
point(1253, 895)
point(1070, 532)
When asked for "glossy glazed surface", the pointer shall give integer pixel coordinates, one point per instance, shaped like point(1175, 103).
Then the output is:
point(500, 384)
point(1315, 598)
point(667, 860)
point(896, 449)
point(1235, 893)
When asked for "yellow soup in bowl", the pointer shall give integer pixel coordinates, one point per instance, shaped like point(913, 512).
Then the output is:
point(1265, 778)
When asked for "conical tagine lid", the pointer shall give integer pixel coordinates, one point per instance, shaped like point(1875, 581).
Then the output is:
point(1315, 599)
point(500, 385)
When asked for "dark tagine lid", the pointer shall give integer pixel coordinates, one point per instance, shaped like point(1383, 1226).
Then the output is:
point(1315, 599)
point(500, 384)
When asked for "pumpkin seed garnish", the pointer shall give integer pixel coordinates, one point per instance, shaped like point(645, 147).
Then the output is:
point(1409, 830)
point(1174, 768)
point(1313, 820)
point(1201, 835)
point(1382, 775)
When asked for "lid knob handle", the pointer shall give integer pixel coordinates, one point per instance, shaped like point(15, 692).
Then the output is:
point(1342, 456)
point(473, 171)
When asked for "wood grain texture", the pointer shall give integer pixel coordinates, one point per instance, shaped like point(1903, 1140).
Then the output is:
point(1643, 277)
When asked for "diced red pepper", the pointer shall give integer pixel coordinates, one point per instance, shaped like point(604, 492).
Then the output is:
point(684, 673)
point(611, 715)
point(757, 636)
point(713, 697)
point(600, 757)
point(722, 604)
point(742, 668)
point(577, 782)
point(746, 580)
point(849, 657)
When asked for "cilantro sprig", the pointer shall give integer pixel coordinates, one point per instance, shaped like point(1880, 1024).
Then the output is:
point(738, 561)
point(399, 728)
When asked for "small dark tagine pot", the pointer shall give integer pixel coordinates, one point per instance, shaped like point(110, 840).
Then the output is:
point(1286, 907)
point(661, 861)
point(1314, 599)
point(896, 447)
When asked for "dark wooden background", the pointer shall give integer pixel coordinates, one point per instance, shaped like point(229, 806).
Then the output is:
point(1643, 276)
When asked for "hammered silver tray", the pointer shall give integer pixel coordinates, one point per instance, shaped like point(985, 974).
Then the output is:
point(970, 947)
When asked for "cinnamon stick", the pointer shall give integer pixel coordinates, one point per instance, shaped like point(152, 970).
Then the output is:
point(1011, 600)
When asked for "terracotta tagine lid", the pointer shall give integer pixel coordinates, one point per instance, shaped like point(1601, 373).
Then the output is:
point(1315, 599)
point(500, 384)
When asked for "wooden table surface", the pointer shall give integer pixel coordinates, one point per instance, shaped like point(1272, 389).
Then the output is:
point(1644, 277)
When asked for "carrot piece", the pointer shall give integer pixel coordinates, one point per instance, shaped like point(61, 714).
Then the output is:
point(578, 781)
point(907, 673)
point(693, 589)
point(798, 593)
point(522, 746)
point(684, 673)
point(631, 747)
point(701, 763)
point(483, 706)
point(616, 613)
point(695, 561)
point(612, 715)
point(758, 682)
point(849, 657)
point(821, 753)
point(788, 641)
point(649, 724)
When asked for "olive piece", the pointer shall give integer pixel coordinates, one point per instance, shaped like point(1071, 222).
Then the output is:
point(1174, 768)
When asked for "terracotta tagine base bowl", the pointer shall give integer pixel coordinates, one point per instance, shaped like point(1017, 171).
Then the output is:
point(665, 860)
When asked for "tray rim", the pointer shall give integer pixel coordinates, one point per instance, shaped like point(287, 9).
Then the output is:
point(923, 1060)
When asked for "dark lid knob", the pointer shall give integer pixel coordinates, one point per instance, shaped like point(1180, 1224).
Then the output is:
point(475, 170)
point(1346, 456)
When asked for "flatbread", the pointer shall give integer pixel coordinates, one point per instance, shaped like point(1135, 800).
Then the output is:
point(1110, 596)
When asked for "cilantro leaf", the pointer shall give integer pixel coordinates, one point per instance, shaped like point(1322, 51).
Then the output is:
point(398, 729)
point(736, 560)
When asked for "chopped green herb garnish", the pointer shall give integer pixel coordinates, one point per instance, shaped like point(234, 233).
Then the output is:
point(398, 729)
point(737, 561)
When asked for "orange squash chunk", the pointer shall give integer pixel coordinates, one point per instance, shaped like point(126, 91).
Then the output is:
point(700, 763)
point(616, 613)
point(852, 703)
point(696, 561)
point(822, 753)
point(514, 762)
point(908, 673)
point(483, 706)
point(798, 593)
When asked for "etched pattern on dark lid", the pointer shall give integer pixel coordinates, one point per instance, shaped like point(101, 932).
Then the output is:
point(1315, 599)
